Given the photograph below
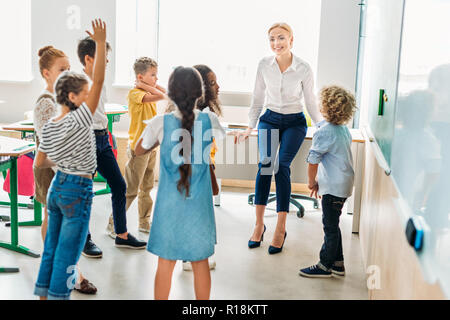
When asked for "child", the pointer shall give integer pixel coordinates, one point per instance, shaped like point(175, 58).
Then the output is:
point(68, 142)
point(139, 170)
point(183, 225)
point(330, 159)
point(52, 62)
point(107, 164)
point(209, 102)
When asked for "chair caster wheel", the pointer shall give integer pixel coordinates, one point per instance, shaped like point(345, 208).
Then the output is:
point(301, 213)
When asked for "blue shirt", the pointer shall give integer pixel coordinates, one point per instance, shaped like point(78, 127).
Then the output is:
point(331, 149)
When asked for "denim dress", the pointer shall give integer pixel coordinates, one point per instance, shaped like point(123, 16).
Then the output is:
point(184, 228)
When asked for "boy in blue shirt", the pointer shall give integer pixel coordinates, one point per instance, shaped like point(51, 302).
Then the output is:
point(330, 176)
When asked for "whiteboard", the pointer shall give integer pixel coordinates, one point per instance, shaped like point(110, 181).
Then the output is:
point(420, 158)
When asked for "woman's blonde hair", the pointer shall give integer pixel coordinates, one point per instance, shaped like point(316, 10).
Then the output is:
point(281, 25)
point(337, 104)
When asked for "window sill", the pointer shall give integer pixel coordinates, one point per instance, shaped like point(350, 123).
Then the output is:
point(122, 85)
point(26, 81)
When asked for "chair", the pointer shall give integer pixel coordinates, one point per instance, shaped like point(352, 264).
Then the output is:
point(294, 196)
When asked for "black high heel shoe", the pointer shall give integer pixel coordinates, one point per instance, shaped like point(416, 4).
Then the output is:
point(256, 244)
point(273, 250)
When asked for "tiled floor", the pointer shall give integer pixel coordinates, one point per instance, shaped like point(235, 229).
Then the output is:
point(241, 273)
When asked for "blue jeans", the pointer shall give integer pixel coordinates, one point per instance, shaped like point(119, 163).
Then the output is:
point(332, 247)
point(288, 132)
point(109, 169)
point(69, 204)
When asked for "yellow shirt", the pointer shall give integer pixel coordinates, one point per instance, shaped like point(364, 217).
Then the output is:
point(138, 111)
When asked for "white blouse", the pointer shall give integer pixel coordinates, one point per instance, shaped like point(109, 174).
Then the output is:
point(282, 92)
point(44, 110)
point(154, 132)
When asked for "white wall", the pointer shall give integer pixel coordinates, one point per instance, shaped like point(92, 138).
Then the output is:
point(337, 53)
point(338, 47)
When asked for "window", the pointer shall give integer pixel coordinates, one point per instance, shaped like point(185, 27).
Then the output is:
point(136, 36)
point(15, 35)
point(229, 36)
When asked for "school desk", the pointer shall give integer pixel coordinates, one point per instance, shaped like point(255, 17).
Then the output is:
point(24, 127)
point(244, 173)
point(112, 110)
point(12, 149)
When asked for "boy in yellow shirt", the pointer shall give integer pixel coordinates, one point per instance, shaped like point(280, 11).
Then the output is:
point(139, 170)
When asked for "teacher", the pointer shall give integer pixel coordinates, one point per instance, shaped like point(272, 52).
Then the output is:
point(281, 83)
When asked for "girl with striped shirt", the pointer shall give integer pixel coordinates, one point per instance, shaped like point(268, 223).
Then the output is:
point(68, 143)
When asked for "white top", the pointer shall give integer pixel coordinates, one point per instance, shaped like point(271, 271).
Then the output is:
point(70, 142)
point(100, 118)
point(154, 132)
point(282, 92)
point(44, 110)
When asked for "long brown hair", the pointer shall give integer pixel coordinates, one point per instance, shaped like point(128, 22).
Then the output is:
point(185, 87)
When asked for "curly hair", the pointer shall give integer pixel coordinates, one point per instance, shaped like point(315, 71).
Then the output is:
point(185, 87)
point(337, 104)
point(209, 99)
point(66, 83)
point(142, 64)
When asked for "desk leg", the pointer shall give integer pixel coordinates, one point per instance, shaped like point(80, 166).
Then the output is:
point(37, 222)
point(358, 186)
point(111, 119)
point(14, 245)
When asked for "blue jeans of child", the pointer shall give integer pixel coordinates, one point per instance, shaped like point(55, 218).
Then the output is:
point(69, 204)
point(291, 130)
point(332, 247)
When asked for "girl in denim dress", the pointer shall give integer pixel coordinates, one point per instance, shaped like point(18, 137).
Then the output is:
point(183, 226)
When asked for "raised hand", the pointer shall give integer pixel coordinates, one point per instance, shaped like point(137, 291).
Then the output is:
point(99, 29)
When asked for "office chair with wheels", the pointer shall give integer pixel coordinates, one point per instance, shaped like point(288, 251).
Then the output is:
point(294, 196)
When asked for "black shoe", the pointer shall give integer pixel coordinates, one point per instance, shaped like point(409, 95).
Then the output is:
point(131, 243)
point(90, 250)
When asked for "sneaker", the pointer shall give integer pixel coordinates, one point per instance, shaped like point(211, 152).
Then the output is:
point(315, 271)
point(90, 250)
point(338, 271)
point(131, 242)
point(187, 266)
point(145, 228)
point(110, 230)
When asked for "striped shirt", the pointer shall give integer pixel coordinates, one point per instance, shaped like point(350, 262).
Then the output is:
point(70, 142)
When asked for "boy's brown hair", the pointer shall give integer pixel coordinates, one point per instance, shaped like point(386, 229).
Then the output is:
point(337, 104)
point(141, 65)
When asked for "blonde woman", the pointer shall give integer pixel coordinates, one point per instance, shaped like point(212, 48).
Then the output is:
point(282, 81)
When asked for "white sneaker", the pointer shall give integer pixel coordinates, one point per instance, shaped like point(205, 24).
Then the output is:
point(187, 266)
point(144, 229)
point(110, 230)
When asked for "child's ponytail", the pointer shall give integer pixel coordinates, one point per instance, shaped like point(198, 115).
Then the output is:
point(185, 87)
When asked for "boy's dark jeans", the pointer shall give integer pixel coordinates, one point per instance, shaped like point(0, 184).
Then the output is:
point(109, 169)
point(332, 247)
